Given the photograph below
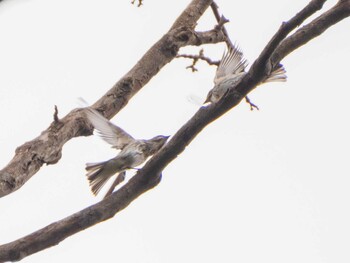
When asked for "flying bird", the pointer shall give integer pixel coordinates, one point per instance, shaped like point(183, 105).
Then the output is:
point(230, 72)
point(133, 152)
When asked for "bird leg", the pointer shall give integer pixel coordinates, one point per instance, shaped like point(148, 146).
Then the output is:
point(251, 104)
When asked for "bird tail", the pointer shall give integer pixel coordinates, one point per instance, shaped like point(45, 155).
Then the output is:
point(278, 75)
point(99, 173)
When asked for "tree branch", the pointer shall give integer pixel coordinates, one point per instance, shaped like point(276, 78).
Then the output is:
point(315, 28)
point(214, 8)
point(195, 59)
point(261, 66)
point(149, 175)
point(47, 147)
point(279, 47)
point(56, 232)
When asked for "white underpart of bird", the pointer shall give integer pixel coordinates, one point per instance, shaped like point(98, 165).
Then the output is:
point(230, 72)
point(133, 152)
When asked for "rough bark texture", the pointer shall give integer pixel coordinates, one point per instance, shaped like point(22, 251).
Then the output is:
point(47, 148)
point(181, 34)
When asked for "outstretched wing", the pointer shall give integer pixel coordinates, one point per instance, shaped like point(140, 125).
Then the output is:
point(232, 63)
point(109, 132)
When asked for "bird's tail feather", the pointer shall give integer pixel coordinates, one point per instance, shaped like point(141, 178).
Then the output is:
point(278, 75)
point(96, 176)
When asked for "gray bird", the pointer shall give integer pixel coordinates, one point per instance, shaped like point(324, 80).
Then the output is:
point(133, 152)
point(230, 72)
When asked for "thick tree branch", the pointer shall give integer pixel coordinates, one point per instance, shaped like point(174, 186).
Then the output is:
point(279, 47)
point(315, 28)
point(149, 175)
point(261, 67)
point(191, 14)
point(56, 232)
point(47, 148)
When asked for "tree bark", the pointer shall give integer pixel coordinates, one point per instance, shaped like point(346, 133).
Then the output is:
point(60, 131)
point(47, 147)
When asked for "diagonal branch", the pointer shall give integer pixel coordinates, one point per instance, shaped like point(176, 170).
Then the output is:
point(261, 67)
point(149, 175)
point(214, 8)
point(47, 147)
point(315, 28)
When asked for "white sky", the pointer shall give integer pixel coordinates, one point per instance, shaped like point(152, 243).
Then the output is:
point(263, 186)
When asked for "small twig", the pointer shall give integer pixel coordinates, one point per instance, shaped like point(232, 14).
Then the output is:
point(251, 104)
point(196, 58)
point(55, 115)
point(192, 67)
point(221, 21)
point(139, 4)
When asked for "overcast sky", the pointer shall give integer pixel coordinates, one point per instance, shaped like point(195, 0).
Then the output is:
point(262, 186)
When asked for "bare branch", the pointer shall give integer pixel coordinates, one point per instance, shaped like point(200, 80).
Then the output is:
point(195, 59)
point(55, 115)
point(261, 67)
point(200, 57)
point(221, 21)
point(54, 233)
point(46, 149)
point(313, 29)
point(149, 175)
point(208, 37)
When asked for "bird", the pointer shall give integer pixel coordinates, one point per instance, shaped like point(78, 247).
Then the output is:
point(132, 153)
point(231, 71)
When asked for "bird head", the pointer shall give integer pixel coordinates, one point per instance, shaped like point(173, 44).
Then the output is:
point(157, 142)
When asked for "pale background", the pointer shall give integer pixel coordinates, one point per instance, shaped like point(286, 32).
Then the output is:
point(263, 186)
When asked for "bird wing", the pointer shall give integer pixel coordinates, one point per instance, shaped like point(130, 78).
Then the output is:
point(109, 132)
point(232, 62)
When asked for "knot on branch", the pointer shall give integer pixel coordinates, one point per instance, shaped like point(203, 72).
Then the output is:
point(124, 88)
point(184, 35)
point(7, 182)
point(121, 90)
point(84, 128)
point(175, 39)
point(54, 157)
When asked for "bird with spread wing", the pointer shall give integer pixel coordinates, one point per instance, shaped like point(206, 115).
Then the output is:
point(230, 72)
point(132, 153)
